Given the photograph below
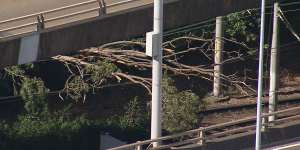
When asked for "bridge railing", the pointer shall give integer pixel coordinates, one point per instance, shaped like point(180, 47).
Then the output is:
point(202, 134)
point(39, 17)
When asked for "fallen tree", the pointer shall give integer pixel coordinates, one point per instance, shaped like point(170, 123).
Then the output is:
point(93, 67)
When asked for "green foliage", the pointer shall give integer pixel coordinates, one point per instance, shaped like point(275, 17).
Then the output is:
point(76, 87)
point(180, 108)
point(37, 121)
point(135, 115)
point(16, 73)
point(49, 134)
point(34, 93)
point(89, 78)
point(241, 25)
point(29, 127)
point(38, 128)
point(100, 71)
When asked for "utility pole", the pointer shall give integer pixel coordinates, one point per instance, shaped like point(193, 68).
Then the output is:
point(218, 56)
point(156, 116)
point(260, 78)
point(274, 65)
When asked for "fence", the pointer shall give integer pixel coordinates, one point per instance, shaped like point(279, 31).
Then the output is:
point(201, 135)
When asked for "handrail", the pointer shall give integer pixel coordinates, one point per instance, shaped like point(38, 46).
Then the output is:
point(157, 139)
point(63, 8)
point(59, 17)
point(120, 3)
point(19, 27)
point(87, 10)
point(218, 126)
point(48, 11)
point(72, 14)
point(180, 143)
point(185, 133)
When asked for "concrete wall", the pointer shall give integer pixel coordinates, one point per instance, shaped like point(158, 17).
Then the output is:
point(121, 26)
point(9, 52)
point(107, 141)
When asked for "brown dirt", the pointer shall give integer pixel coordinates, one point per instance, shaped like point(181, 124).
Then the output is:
point(289, 87)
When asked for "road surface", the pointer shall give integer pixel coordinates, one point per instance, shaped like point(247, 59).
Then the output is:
point(293, 144)
point(16, 8)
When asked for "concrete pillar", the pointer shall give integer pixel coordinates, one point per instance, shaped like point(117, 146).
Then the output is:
point(218, 57)
point(29, 48)
point(274, 66)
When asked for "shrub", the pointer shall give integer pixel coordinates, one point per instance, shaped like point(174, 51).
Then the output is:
point(34, 94)
point(180, 109)
point(135, 115)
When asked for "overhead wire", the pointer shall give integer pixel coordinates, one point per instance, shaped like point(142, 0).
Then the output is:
point(202, 24)
point(290, 3)
point(288, 24)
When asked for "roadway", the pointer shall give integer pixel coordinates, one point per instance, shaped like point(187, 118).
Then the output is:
point(16, 8)
point(292, 144)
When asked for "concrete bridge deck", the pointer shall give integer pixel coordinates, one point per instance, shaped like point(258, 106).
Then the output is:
point(14, 9)
point(123, 22)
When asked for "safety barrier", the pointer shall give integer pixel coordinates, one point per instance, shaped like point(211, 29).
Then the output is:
point(201, 135)
point(40, 20)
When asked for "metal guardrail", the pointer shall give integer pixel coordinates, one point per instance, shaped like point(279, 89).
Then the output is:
point(199, 135)
point(43, 13)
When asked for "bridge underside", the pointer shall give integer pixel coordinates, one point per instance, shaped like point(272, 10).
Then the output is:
point(122, 25)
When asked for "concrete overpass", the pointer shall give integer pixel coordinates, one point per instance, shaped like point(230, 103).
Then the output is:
point(64, 34)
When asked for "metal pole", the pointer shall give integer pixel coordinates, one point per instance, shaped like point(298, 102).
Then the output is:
point(102, 9)
point(260, 77)
point(157, 73)
point(138, 147)
point(218, 56)
point(274, 65)
point(40, 23)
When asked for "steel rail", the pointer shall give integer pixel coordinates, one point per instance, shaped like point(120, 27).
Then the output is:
point(56, 18)
point(287, 118)
point(281, 111)
point(63, 8)
point(180, 143)
point(218, 126)
point(237, 130)
point(71, 15)
point(157, 140)
point(87, 11)
point(19, 27)
point(120, 3)
point(48, 11)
